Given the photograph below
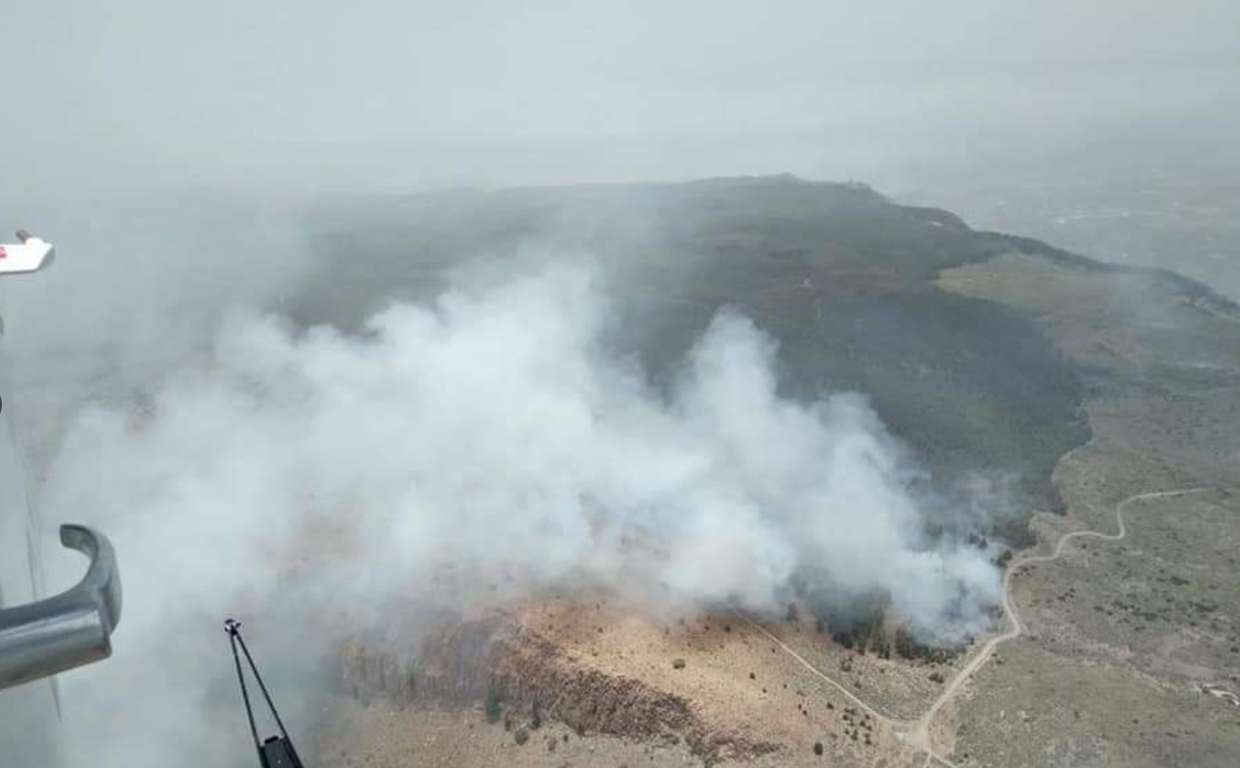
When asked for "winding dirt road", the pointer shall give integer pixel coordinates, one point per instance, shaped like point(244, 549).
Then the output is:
point(921, 733)
point(918, 731)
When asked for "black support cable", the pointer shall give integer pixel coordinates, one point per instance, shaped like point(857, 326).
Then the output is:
point(233, 628)
point(277, 751)
point(261, 686)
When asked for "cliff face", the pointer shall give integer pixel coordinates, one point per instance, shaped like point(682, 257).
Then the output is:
point(463, 663)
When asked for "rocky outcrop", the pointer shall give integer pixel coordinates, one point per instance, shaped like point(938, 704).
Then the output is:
point(465, 662)
point(451, 665)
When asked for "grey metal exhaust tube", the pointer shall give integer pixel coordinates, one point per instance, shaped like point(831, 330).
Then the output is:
point(70, 629)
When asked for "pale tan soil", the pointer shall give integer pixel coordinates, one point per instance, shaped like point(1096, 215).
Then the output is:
point(737, 696)
point(381, 736)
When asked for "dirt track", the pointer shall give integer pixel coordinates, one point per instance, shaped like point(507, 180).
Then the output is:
point(918, 731)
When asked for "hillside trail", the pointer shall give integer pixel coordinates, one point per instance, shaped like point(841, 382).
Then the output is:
point(1217, 313)
point(874, 713)
point(917, 732)
point(921, 732)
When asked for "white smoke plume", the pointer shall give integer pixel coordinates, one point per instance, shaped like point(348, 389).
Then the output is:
point(494, 432)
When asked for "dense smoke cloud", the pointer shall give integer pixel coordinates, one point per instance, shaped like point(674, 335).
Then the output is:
point(492, 432)
point(495, 429)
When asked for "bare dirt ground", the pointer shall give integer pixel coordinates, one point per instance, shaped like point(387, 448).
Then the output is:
point(717, 685)
point(383, 736)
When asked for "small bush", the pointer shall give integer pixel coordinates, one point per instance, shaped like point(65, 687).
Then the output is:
point(521, 736)
point(678, 663)
point(492, 707)
point(818, 748)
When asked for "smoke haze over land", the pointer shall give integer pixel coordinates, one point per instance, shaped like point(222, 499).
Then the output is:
point(167, 148)
point(975, 106)
point(495, 435)
point(494, 431)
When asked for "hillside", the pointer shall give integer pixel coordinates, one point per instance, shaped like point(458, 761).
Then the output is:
point(843, 279)
point(1099, 392)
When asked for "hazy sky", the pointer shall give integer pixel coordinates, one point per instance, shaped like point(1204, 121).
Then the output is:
point(380, 94)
